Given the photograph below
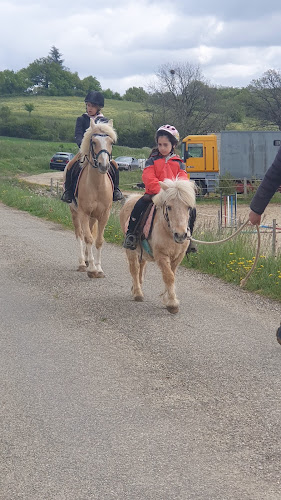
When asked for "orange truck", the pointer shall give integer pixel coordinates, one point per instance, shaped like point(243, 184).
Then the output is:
point(245, 156)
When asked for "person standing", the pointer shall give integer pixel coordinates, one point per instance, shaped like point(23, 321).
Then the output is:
point(265, 191)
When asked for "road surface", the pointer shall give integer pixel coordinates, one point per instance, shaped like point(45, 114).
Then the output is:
point(103, 398)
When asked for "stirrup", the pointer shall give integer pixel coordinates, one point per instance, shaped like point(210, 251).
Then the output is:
point(130, 241)
point(117, 195)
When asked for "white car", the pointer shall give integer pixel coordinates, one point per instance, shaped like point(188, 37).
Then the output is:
point(125, 162)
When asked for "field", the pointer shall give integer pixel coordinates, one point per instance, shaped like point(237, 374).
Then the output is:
point(69, 107)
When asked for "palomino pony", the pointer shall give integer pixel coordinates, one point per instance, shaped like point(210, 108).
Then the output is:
point(94, 199)
point(168, 240)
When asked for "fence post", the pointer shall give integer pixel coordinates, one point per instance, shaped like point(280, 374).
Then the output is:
point(245, 186)
point(274, 237)
point(51, 187)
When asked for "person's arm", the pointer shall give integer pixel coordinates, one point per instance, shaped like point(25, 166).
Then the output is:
point(79, 130)
point(150, 181)
point(267, 188)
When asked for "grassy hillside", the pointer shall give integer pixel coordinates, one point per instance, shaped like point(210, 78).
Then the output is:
point(68, 107)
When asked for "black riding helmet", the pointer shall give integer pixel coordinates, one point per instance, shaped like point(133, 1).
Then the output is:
point(95, 97)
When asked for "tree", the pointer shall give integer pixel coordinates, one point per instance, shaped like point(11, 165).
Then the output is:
point(55, 56)
point(90, 83)
point(29, 107)
point(12, 83)
point(135, 94)
point(264, 97)
point(182, 97)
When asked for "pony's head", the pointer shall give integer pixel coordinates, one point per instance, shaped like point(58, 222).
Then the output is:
point(176, 198)
point(97, 144)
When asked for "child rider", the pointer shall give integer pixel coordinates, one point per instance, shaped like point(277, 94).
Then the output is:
point(163, 163)
point(94, 103)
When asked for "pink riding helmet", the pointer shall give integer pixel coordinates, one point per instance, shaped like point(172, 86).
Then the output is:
point(171, 129)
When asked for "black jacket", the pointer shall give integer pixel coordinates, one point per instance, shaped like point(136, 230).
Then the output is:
point(269, 185)
point(82, 123)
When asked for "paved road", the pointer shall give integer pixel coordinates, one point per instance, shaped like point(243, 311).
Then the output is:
point(103, 398)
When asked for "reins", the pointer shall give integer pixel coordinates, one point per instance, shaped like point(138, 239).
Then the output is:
point(244, 280)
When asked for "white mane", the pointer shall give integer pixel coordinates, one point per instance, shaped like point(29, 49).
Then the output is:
point(179, 188)
point(97, 128)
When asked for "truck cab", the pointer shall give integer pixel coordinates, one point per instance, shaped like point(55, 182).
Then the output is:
point(200, 155)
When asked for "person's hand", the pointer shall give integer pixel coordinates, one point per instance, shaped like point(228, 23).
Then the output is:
point(254, 218)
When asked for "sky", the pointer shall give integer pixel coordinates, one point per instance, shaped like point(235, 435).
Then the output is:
point(123, 43)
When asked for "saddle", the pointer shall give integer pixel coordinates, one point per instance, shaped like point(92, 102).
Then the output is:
point(76, 171)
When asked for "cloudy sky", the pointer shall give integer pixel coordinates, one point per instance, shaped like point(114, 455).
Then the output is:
point(123, 43)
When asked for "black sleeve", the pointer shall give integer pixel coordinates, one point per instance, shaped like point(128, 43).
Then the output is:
point(79, 130)
point(269, 185)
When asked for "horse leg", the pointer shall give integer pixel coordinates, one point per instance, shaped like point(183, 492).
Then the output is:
point(89, 240)
point(169, 296)
point(99, 230)
point(79, 237)
point(136, 269)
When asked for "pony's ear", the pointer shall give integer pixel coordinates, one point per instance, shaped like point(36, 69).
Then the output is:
point(163, 185)
point(110, 122)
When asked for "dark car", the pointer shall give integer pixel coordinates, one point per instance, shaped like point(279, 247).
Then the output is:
point(60, 160)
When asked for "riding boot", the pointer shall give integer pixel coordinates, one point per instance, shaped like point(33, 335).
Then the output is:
point(117, 194)
point(68, 192)
point(130, 241)
point(191, 247)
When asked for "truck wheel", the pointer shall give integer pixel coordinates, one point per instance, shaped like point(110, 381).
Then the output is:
point(203, 188)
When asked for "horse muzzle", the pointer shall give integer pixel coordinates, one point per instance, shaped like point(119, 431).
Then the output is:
point(180, 237)
point(103, 168)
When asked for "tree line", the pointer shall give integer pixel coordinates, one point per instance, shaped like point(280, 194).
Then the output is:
point(180, 95)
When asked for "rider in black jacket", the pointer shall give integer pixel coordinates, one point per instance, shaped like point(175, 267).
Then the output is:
point(94, 103)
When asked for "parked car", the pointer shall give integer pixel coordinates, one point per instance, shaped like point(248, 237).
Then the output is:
point(60, 160)
point(125, 162)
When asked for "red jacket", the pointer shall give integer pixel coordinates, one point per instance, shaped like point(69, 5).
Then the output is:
point(158, 168)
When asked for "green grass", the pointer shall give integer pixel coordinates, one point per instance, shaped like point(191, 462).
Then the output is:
point(68, 107)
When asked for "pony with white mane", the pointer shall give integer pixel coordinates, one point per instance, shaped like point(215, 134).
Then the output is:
point(94, 198)
point(168, 240)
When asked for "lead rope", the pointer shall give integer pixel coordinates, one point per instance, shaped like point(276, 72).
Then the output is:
point(244, 280)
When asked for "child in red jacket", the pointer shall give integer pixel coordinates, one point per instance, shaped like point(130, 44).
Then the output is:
point(162, 164)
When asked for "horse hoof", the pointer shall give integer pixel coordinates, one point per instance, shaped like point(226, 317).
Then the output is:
point(173, 309)
point(100, 274)
point(92, 274)
point(82, 269)
point(138, 298)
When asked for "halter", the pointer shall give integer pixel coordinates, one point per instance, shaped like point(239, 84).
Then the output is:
point(166, 215)
point(95, 156)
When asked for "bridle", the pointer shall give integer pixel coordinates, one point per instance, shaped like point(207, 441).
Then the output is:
point(95, 156)
point(166, 215)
